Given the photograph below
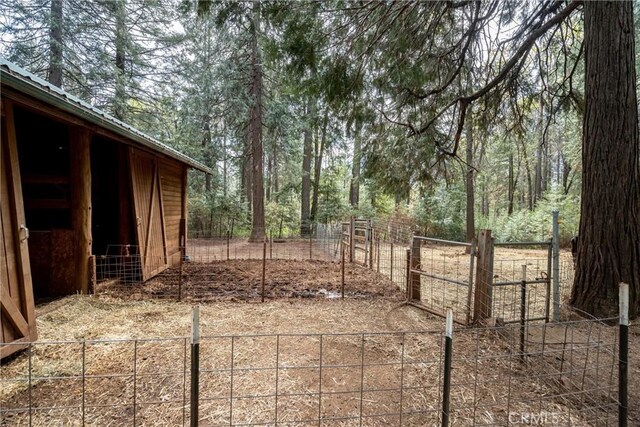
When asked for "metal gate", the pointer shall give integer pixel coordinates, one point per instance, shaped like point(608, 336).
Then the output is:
point(441, 276)
point(521, 288)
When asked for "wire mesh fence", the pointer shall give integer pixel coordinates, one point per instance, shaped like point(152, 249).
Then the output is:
point(565, 374)
point(229, 268)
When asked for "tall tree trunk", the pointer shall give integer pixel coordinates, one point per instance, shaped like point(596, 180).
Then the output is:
point(539, 174)
point(267, 188)
point(530, 188)
point(537, 186)
point(354, 188)
point(245, 182)
point(609, 238)
point(512, 186)
point(546, 167)
point(305, 208)
point(246, 170)
point(319, 149)
point(54, 75)
point(120, 101)
point(206, 149)
point(484, 199)
point(255, 131)
point(566, 172)
point(276, 183)
point(225, 170)
point(471, 227)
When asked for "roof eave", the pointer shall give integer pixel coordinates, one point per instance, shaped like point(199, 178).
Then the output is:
point(94, 116)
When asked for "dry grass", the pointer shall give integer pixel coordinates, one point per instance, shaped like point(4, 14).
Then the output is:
point(488, 380)
point(360, 374)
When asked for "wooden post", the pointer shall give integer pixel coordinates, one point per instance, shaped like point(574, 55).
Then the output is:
point(80, 180)
point(183, 254)
point(93, 274)
point(484, 277)
point(125, 202)
point(184, 212)
point(414, 293)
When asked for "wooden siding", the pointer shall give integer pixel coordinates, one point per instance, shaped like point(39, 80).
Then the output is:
point(16, 295)
point(148, 211)
point(171, 183)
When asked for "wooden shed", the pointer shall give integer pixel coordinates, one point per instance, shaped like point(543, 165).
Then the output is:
point(76, 183)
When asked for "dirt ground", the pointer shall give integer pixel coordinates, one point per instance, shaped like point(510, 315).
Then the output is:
point(239, 337)
point(241, 280)
point(304, 354)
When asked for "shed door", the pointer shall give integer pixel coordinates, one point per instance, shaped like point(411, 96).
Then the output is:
point(149, 213)
point(16, 295)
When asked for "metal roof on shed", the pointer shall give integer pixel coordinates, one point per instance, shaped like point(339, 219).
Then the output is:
point(25, 82)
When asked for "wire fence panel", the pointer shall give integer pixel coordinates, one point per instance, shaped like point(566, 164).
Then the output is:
point(102, 382)
point(565, 374)
point(445, 271)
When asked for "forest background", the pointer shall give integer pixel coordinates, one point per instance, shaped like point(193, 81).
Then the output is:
point(315, 111)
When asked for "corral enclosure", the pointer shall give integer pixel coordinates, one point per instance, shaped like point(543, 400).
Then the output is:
point(306, 356)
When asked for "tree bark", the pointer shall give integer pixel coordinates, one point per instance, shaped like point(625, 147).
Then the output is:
point(512, 186)
point(471, 228)
point(354, 188)
point(55, 44)
point(305, 208)
point(120, 101)
point(609, 242)
point(566, 171)
point(206, 148)
point(318, 165)
point(255, 131)
point(530, 188)
point(224, 164)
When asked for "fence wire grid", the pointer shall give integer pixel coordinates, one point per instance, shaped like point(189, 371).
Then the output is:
point(566, 374)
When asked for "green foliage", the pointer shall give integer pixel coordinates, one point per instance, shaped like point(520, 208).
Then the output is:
point(440, 212)
point(536, 225)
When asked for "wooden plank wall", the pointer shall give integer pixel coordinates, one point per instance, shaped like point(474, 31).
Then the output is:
point(148, 210)
point(171, 180)
point(16, 291)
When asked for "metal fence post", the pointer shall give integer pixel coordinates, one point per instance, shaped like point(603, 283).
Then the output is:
point(264, 265)
point(377, 252)
point(446, 387)
point(556, 268)
point(472, 259)
point(523, 311)
point(195, 365)
point(342, 267)
point(408, 276)
point(623, 363)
